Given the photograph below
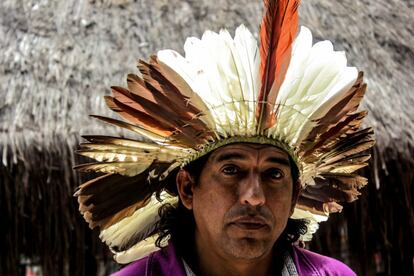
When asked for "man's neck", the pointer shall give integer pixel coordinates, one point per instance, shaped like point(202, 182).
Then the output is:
point(209, 262)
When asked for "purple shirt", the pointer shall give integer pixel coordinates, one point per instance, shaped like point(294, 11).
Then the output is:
point(166, 262)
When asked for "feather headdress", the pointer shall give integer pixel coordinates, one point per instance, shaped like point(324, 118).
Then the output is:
point(300, 97)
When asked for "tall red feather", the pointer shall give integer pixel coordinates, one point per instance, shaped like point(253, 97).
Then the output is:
point(278, 30)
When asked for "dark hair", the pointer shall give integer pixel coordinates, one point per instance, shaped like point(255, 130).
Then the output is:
point(178, 224)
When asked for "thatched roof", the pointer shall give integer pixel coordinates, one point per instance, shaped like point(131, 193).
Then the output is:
point(58, 58)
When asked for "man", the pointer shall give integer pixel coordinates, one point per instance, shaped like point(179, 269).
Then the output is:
point(243, 146)
point(234, 219)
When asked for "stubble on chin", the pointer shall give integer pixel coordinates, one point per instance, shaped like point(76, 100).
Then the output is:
point(246, 248)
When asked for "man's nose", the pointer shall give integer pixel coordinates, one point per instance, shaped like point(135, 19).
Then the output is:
point(251, 191)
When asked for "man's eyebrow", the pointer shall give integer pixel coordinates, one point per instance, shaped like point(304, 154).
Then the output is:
point(230, 155)
point(234, 155)
point(279, 160)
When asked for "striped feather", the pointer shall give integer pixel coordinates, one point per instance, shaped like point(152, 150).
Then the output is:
point(139, 117)
point(128, 168)
point(104, 197)
point(329, 193)
point(192, 98)
point(136, 227)
point(155, 137)
point(136, 252)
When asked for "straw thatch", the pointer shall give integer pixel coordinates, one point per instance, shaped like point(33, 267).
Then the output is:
point(59, 57)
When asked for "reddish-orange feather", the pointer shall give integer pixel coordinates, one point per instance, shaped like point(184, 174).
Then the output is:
point(277, 32)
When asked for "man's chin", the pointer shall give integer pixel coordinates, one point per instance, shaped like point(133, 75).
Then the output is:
point(247, 248)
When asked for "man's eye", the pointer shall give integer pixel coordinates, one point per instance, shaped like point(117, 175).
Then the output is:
point(275, 174)
point(230, 170)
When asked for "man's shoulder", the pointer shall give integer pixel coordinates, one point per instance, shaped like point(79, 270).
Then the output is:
point(138, 267)
point(311, 263)
point(161, 262)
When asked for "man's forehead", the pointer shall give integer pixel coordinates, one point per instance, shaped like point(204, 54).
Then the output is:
point(249, 149)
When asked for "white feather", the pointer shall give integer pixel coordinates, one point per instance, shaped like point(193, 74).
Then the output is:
point(224, 72)
point(248, 55)
point(138, 251)
point(120, 233)
point(313, 220)
point(316, 79)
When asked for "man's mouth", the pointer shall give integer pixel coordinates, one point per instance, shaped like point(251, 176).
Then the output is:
point(250, 223)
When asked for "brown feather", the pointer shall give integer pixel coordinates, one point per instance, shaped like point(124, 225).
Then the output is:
point(141, 104)
point(164, 138)
point(141, 107)
point(349, 102)
point(108, 199)
point(138, 87)
point(192, 98)
point(342, 109)
point(137, 117)
point(318, 207)
point(168, 89)
point(126, 168)
point(117, 141)
point(343, 182)
point(179, 103)
point(310, 205)
point(353, 144)
point(358, 160)
point(329, 193)
point(350, 121)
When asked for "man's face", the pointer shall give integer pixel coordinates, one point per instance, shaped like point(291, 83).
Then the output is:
point(243, 200)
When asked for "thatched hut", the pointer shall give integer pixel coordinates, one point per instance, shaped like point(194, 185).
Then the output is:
point(58, 58)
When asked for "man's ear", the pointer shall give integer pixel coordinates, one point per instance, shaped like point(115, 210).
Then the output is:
point(185, 187)
point(297, 189)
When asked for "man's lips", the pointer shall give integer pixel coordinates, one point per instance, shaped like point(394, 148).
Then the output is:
point(250, 223)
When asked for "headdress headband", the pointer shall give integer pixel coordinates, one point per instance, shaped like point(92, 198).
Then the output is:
point(287, 92)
